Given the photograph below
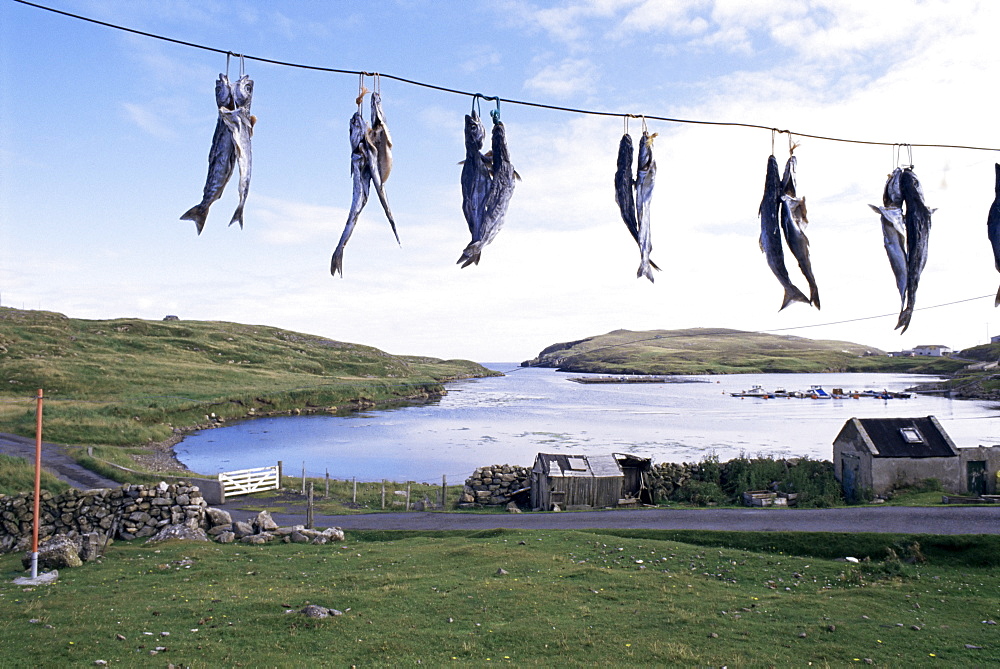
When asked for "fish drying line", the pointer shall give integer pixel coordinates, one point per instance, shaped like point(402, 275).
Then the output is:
point(523, 103)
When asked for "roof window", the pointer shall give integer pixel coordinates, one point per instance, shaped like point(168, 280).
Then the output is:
point(911, 435)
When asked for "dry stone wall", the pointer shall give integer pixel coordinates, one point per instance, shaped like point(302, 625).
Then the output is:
point(494, 485)
point(128, 512)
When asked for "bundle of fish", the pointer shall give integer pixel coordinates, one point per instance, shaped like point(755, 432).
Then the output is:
point(906, 226)
point(634, 195)
point(230, 146)
point(371, 162)
point(487, 185)
point(781, 211)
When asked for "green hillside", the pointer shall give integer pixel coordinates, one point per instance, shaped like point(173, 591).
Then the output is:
point(723, 351)
point(129, 381)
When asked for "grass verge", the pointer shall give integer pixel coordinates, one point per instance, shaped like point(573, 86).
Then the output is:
point(564, 598)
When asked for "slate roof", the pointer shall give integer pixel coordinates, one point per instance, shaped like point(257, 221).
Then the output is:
point(886, 435)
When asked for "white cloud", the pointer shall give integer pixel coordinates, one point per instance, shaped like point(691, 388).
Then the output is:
point(565, 79)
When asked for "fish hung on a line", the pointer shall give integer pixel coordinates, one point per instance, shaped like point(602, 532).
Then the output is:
point(371, 163)
point(770, 233)
point(993, 227)
point(633, 196)
point(487, 185)
point(230, 148)
point(792, 213)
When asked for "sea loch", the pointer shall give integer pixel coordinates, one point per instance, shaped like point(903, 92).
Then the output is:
point(508, 419)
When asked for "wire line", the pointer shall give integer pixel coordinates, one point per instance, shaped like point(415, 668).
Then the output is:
point(523, 103)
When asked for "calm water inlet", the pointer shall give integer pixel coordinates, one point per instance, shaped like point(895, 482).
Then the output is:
point(507, 420)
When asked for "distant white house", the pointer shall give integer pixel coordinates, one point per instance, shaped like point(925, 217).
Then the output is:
point(994, 340)
point(933, 350)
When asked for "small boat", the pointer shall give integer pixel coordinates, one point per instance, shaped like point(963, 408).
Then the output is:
point(756, 391)
point(817, 393)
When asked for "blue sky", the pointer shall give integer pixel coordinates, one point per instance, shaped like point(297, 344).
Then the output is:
point(104, 138)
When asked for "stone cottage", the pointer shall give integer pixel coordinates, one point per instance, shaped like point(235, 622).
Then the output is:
point(878, 454)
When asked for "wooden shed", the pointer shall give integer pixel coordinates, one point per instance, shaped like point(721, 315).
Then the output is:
point(594, 481)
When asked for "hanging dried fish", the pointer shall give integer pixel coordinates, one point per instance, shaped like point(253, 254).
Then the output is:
point(917, 218)
point(489, 216)
point(221, 157)
point(993, 228)
point(893, 231)
point(770, 234)
point(793, 223)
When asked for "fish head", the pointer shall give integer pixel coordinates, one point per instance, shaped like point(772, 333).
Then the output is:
point(475, 133)
point(788, 185)
point(892, 196)
point(223, 92)
point(358, 130)
point(243, 91)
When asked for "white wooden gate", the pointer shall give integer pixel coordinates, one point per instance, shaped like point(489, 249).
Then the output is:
point(246, 481)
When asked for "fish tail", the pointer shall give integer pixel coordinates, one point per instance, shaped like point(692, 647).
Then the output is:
point(198, 214)
point(237, 216)
point(904, 319)
point(793, 294)
point(337, 263)
point(471, 254)
point(996, 303)
point(814, 295)
point(645, 270)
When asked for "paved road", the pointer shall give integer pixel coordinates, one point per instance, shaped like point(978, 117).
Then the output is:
point(894, 519)
point(54, 461)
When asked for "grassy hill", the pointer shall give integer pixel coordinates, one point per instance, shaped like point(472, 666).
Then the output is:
point(723, 351)
point(129, 381)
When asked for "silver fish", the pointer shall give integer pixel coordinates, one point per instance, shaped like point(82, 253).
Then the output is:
point(379, 135)
point(770, 234)
point(793, 222)
point(476, 177)
point(625, 190)
point(993, 228)
point(893, 230)
point(221, 157)
point(240, 124)
point(917, 218)
point(371, 152)
point(362, 180)
point(501, 188)
point(645, 178)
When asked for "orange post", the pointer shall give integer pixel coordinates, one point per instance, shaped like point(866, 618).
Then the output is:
point(38, 485)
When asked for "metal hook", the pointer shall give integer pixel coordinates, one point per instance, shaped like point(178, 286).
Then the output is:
point(227, 63)
point(773, 131)
point(242, 68)
point(495, 114)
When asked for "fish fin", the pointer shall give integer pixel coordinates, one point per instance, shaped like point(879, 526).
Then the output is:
point(198, 214)
point(237, 216)
point(996, 302)
point(904, 319)
point(793, 294)
point(471, 254)
point(337, 263)
point(645, 271)
point(654, 266)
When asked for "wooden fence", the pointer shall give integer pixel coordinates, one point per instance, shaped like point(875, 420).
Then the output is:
point(246, 481)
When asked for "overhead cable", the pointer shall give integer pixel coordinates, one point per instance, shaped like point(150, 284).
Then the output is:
point(524, 103)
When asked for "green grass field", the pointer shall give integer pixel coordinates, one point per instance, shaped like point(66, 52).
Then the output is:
point(568, 598)
point(127, 381)
point(723, 351)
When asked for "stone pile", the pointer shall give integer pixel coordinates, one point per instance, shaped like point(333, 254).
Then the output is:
point(494, 485)
point(263, 530)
